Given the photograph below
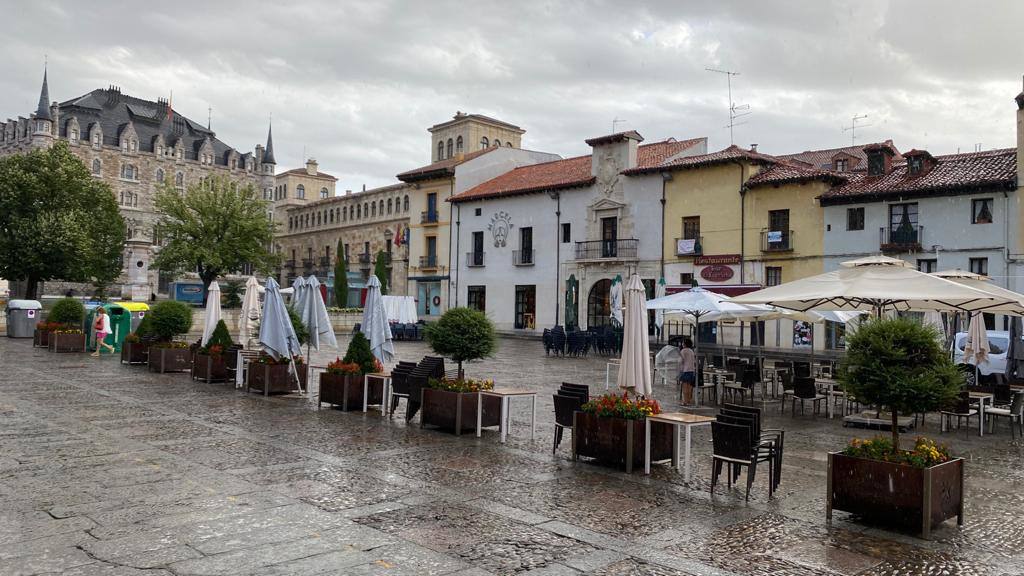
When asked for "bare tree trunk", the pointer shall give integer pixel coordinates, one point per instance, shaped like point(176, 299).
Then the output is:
point(31, 283)
point(462, 374)
point(895, 430)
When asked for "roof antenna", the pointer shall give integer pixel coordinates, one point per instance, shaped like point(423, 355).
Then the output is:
point(734, 110)
point(615, 121)
point(852, 128)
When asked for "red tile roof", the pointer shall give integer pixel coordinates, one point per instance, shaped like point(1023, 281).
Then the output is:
point(822, 159)
point(440, 168)
point(730, 154)
point(567, 173)
point(952, 173)
point(786, 172)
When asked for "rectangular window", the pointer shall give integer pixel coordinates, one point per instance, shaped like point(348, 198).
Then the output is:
point(855, 218)
point(476, 257)
point(478, 212)
point(525, 307)
point(476, 298)
point(566, 233)
point(686, 278)
point(772, 275)
point(981, 211)
point(431, 257)
point(778, 236)
point(609, 237)
point(835, 335)
point(691, 228)
point(525, 245)
point(927, 265)
point(903, 223)
point(431, 215)
point(979, 266)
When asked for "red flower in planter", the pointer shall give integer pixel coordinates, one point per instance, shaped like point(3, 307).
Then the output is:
point(342, 368)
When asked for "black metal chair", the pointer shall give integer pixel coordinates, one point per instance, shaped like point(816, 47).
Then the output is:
point(733, 444)
point(399, 384)
point(565, 408)
point(429, 367)
point(772, 439)
point(1015, 413)
point(805, 390)
point(961, 410)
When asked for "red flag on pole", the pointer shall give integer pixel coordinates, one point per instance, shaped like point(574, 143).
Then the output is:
point(398, 236)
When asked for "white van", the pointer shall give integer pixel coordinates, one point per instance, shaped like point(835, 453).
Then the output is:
point(998, 343)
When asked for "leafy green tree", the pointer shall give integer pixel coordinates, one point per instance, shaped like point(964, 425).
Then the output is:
point(340, 278)
point(68, 311)
point(898, 364)
point(462, 334)
point(57, 221)
point(231, 294)
point(360, 353)
point(380, 270)
point(169, 319)
point(216, 226)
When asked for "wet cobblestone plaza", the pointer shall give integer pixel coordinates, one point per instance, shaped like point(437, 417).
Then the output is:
point(111, 470)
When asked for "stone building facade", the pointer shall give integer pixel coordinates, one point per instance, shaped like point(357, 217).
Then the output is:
point(466, 133)
point(366, 223)
point(135, 145)
point(298, 187)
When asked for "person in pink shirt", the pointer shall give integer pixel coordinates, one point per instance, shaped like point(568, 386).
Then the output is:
point(102, 327)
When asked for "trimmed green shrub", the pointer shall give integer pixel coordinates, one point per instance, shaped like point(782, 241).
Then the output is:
point(145, 327)
point(67, 311)
point(170, 318)
point(359, 353)
point(462, 334)
point(220, 337)
point(380, 270)
point(300, 329)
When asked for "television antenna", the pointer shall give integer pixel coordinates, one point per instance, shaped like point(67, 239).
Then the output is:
point(852, 128)
point(615, 121)
point(734, 110)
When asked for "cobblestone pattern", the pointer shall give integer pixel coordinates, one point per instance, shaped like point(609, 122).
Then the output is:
point(108, 469)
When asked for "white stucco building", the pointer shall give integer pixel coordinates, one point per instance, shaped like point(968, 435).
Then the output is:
point(524, 235)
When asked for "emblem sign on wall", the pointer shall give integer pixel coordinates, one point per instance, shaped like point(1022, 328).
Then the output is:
point(500, 226)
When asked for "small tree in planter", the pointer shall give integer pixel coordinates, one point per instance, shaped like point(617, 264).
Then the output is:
point(342, 383)
point(897, 364)
point(135, 349)
point(65, 323)
point(211, 361)
point(462, 334)
point(272, 376)
point(170, 319)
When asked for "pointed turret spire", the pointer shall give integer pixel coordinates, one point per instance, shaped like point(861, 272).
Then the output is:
point(43, 112)
point(268, 153)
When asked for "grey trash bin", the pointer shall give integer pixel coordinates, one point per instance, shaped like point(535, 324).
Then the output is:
point(22, 316)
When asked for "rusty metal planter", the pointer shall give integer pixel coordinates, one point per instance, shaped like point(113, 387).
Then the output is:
point(169, 359)
point(456, 411)
point(274, 378)
point(41, 338)
point(347, 391)
point(896, 494)
point(209, 368)
point(134, 353)
point(618, 441)
point(58, 342)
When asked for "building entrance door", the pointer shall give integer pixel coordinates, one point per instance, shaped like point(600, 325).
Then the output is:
point(428, 298)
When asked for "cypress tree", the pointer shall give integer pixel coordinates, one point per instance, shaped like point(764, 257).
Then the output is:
point(340, 278)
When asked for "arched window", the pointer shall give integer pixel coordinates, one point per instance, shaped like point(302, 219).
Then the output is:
point(484, 142)
point(344, 214)
point(373, 208)
point(497, 143)
point(330, 216)
point(318, 218)
point(458, 145)
point(300, 191)
point(405, 205)
point(508, 144)
point(389, 205)
point(380, 206)
point(359, 211)
point(440, 150)
point(366, 210)
point(179, 179)
point(323, 192)
point(96, 166)
point(450, 147)
point(598, 304)
point(159, 176)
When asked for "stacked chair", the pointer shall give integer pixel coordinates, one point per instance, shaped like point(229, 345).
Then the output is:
point(400, 384)
point(577, 343)
point(568, 399)
point(739, 440)
point(554, 340)
point(429, 367)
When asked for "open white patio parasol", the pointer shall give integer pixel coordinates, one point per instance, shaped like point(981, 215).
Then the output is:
point(634, 365)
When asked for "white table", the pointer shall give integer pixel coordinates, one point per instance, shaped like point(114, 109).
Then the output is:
point(505, 421)
point(607, 370)
point(830, 393)
point(982, 398)
point(679, 420)
point(385, 391)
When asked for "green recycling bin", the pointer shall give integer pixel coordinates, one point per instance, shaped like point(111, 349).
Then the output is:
point(120, 326)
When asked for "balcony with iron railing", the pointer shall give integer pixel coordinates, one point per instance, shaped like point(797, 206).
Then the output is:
point(428, 217)
point(475, 259)
point(290, 264)
point(325, 261)
point(307, 263)
point(429, 261)
point(523, 257)
point(690, 246)
point(364, 258)
point(607, 249)
point(776, 241)
point(901, 238)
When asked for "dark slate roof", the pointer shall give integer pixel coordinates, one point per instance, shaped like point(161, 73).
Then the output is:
point(114, 111)
point(43, 110)
point(952, 174)
point(268, 154)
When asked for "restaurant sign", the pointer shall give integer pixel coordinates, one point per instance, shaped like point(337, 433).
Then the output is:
point(718, 259)
point(716, 273)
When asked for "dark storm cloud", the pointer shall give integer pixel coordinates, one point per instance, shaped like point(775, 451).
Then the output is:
point(356, 84)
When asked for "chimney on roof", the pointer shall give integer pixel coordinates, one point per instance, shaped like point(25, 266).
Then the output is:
point(919, 162)
point(312, 167)
point(364, 187)
point(618, 151)
point(753, 147)
point(880, 158)
point(348, 192)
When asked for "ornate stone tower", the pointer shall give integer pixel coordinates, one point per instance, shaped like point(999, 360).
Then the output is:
point(43, 120)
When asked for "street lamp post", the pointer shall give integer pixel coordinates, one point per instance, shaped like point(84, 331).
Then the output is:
point(557, 197)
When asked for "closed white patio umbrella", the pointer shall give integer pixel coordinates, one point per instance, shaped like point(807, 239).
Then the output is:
point(615, 300)
point(375, 323)
point(249, 315)
point(315, 318)
point(634, 368)
point(976, 348)
point(212, 311)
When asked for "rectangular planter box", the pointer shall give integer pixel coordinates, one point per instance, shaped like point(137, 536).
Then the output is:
point(347, 391)
point(66, 342)
point(274, 378)
point(456, 411)
point(896, 494)
point(210, 369)
point(617, 441)
point(41, 338)
point(169, 359)
point(134, 353)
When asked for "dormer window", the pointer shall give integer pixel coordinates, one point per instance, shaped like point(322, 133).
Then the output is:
point(876, 164)
point(915, 165)
point(74, 135)
point(841, 165)
point(96, 140)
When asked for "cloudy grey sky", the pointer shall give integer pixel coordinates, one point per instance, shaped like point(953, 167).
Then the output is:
point(356, 84)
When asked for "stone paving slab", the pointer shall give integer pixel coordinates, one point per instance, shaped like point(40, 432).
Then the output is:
point(112, 470)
